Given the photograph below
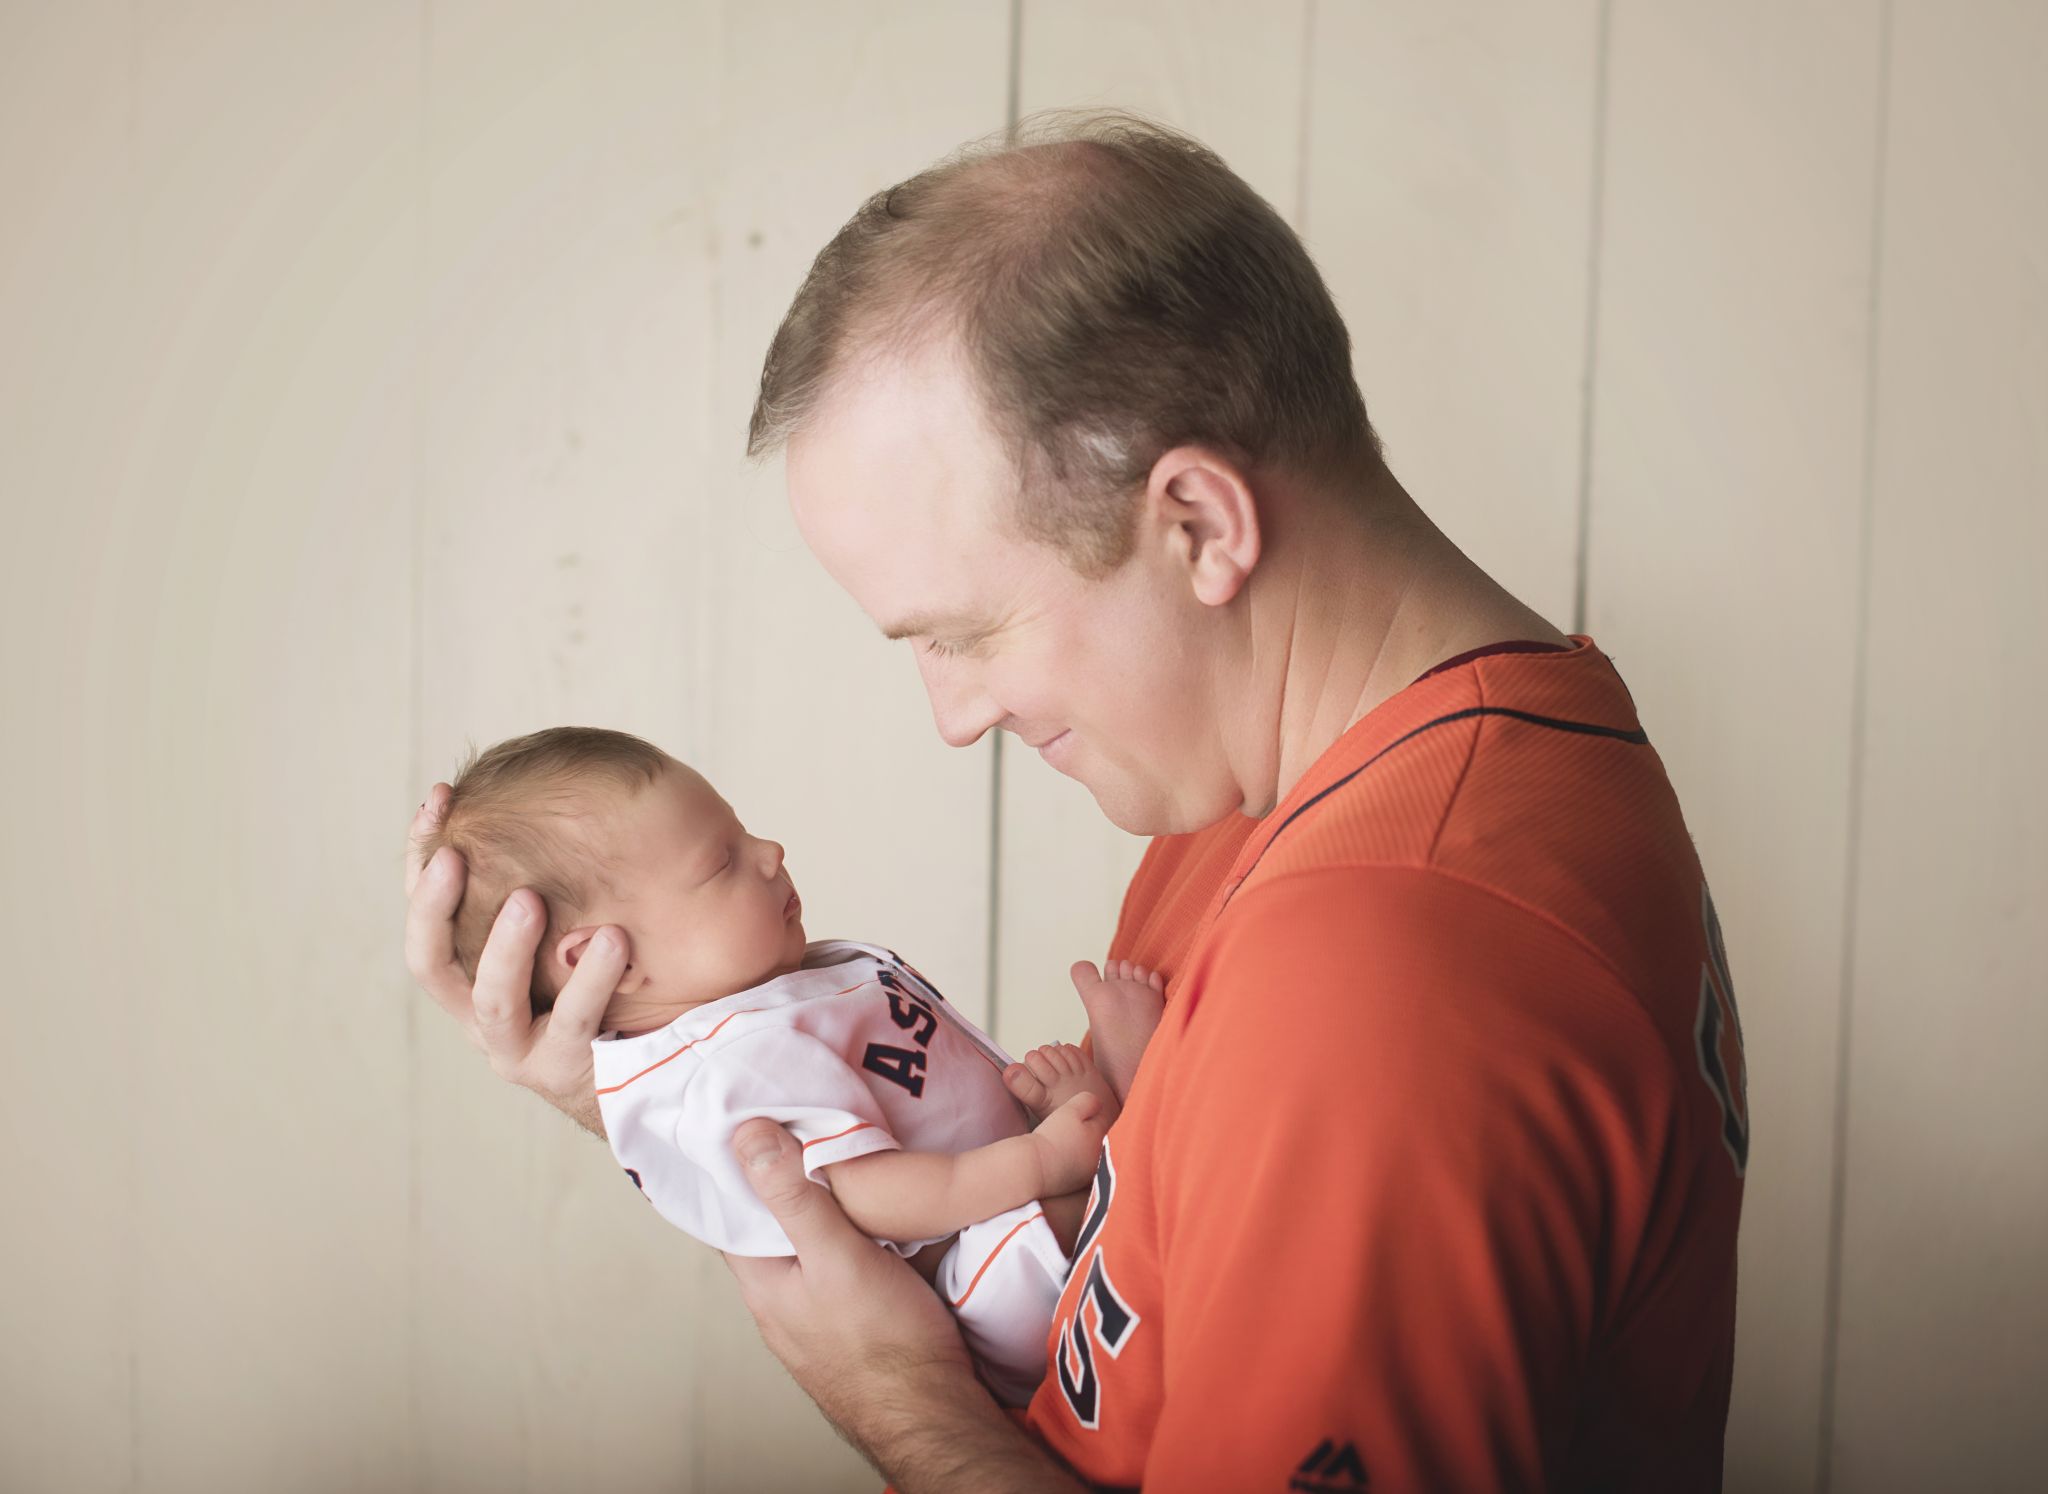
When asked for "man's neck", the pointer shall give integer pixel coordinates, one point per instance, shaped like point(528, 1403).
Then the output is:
point(1360, 608)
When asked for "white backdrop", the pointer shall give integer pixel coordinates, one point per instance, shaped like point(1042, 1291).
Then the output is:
point(373, 380)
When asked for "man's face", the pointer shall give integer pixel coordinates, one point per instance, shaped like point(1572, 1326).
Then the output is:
point(901, 490)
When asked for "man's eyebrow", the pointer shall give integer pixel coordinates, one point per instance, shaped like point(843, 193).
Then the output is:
point(933, 624)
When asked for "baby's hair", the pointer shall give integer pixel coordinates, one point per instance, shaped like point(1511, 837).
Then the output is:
point(511, 817)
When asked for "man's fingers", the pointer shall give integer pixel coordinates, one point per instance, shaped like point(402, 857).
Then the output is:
point(578, 1012)
point(504, 980)
point(430, 935)
point(807, 1211)
point(425, 821)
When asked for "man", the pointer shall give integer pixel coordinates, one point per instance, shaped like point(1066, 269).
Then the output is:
point(1429, 1176)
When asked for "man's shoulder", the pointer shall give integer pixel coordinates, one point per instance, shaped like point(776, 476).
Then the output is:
point(1529, 790)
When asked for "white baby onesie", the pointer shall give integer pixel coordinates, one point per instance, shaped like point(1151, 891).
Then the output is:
point(854, 1053)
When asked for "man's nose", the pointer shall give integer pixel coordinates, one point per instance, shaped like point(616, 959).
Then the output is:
point(961, 711)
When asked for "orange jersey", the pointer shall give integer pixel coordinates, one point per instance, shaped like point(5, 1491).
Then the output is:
point(1430, 1177)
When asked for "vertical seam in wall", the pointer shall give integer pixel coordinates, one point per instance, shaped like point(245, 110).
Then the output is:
point(131, 1307)
point(1014, 83)
point(1597, 210)
point(1301, 124)
point(993, 943)
point(415, 698)
point(1859, 711)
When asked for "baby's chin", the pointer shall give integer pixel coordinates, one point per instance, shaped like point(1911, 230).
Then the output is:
point(642, 1012)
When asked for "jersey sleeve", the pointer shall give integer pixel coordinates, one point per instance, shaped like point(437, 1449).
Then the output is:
point(1411, 1132)
point(789, 1077)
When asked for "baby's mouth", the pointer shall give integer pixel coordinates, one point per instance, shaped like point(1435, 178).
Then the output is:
point(794, 906)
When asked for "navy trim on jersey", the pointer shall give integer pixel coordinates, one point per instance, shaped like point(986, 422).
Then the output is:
point(1637, 738)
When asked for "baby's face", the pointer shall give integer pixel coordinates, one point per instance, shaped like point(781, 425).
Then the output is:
point(709, 909)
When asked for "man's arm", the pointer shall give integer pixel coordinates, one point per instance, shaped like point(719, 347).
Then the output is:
point(868, 1341)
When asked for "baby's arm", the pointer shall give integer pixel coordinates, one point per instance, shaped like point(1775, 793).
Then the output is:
point(898, 1195)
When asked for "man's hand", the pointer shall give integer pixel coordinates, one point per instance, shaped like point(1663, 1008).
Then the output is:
point(867, 1340)
point(551, 1055)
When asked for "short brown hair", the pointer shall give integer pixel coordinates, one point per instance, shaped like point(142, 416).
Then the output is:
point(1117, 291)
point(510, 817)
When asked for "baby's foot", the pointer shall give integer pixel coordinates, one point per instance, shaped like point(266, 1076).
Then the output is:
point(1050, 1076)
point(1124, 1001)
point(1069, 1140)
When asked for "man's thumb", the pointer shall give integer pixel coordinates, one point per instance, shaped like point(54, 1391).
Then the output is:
point(807, 1211)
point(772, 1160)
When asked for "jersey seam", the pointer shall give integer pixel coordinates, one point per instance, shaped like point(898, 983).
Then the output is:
point(1471, 756)
point(1632, 1000)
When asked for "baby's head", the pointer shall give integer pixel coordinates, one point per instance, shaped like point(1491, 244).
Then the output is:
point(610, 830)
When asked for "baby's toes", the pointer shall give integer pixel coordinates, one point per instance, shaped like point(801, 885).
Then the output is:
point(1039, 1061)
point(1071, 1060)
point(1026, 1086)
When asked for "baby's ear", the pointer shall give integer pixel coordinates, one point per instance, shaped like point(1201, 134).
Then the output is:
point(569, 949)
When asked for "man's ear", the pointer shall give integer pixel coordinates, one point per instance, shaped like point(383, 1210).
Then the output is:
point(569, 949)
point(1211, 519)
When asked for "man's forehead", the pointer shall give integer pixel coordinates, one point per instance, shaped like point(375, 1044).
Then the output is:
point(898, 487)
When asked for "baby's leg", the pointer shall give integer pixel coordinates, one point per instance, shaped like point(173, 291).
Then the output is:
point(1124, 1002)
point(1064, 1213)
point(926, 1261)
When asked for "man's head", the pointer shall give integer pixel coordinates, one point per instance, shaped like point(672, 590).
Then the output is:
point(1031, 398)
point(610, 830)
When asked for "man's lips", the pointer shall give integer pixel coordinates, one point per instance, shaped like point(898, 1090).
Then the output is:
point(1052, 749)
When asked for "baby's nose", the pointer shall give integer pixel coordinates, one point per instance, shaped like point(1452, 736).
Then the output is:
point(773, 851)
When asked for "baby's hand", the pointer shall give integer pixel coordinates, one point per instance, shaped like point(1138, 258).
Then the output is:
point(1069, 1140)
point(1124, 1003)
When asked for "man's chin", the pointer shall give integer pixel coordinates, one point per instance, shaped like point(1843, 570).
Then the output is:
point(1136, 812)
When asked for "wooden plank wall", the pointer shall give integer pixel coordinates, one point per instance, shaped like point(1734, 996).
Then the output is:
point(373, 379)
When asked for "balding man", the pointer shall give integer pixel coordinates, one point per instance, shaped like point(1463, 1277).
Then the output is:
point(1429, 1176)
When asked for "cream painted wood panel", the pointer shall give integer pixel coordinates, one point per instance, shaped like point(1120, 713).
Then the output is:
point(815, 726)
point(208, 319)
point(566, 301)
point(1232, 77)
point(1728, 438)
point(73, 905)
point(578, 570)
point(1448, 199)
point(1943, 1341)
point(274, 262)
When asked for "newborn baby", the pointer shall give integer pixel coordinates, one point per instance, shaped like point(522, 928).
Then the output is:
point(932, 1140)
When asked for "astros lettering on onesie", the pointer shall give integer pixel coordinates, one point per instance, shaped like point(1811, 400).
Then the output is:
point(934, 1143)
